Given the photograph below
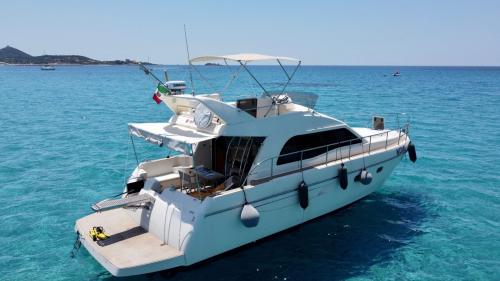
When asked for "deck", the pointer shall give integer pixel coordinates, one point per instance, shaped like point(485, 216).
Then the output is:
point(130, 249)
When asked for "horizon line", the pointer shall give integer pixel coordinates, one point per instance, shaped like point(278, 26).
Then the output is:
point(302, 65)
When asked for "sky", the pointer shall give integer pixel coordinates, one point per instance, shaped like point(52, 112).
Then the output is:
point(398, 32)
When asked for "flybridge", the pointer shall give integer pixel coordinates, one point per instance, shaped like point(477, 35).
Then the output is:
point(201, 117)
point(209, 113)
point(204, 115)
point(256, 107)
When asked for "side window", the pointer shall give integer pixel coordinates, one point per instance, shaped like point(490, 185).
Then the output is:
point(315, 144)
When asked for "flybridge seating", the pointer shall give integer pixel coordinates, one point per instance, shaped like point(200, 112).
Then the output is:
point(279, 104)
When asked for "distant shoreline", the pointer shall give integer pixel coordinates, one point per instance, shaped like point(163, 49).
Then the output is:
point(72, 64)
point(12, 56)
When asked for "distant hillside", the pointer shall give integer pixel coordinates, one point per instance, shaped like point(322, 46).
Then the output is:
point(12, 55)
point(9, 55)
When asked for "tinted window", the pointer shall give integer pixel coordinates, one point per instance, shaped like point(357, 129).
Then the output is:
point(248, 105)
point(315, 144)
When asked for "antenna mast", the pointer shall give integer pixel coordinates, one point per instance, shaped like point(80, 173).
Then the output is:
point(189, 60)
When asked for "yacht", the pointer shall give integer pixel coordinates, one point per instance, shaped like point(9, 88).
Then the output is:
point(239, 171)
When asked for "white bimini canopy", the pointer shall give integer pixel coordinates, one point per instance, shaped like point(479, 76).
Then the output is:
point(242, 58)
point(178, 138)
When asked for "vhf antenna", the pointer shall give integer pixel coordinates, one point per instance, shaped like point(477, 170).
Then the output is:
point(189, 60)
point(150, 73)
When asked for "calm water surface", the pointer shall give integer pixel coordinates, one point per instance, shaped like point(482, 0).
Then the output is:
point(64, 145)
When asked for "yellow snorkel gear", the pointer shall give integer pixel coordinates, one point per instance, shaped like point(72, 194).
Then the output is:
point(97, 233)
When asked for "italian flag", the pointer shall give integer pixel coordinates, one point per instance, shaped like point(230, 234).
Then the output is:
point(160, 90)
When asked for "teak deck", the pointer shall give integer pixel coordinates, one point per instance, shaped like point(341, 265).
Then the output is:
point(129, 245)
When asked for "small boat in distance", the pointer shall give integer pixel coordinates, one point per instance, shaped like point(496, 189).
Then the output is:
point(48, 67)
point(236, 172)
point(396, 74)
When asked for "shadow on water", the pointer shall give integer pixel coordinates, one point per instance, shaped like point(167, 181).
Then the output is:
point(339, 245)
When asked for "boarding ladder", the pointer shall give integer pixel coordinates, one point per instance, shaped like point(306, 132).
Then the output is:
point(237, 156)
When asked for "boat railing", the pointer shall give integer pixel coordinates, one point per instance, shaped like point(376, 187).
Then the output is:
point(398, 119)
point(343, 150)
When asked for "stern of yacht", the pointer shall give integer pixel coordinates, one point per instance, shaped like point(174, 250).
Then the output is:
point(130, 249)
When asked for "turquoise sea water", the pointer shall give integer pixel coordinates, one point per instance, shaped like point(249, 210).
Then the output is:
point(64, 145)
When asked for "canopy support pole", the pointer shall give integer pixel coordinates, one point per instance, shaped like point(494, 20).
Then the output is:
point(284, 70)
point(235, 75)
point(203, 77)
point(255, 79)
point(289, 77)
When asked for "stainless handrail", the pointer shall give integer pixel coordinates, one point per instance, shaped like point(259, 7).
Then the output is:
point(400, 117)
point(403, 129)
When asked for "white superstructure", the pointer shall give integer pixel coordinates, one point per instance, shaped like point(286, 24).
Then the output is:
point(243, 170)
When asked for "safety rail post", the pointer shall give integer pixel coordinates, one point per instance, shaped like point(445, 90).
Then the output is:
point(386, 138)
point(350, 143)
point(370, 145)
point(326, 157)
point(272, 160)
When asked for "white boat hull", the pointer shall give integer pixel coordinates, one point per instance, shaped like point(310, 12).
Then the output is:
point(194, 230)
point(241, 171)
